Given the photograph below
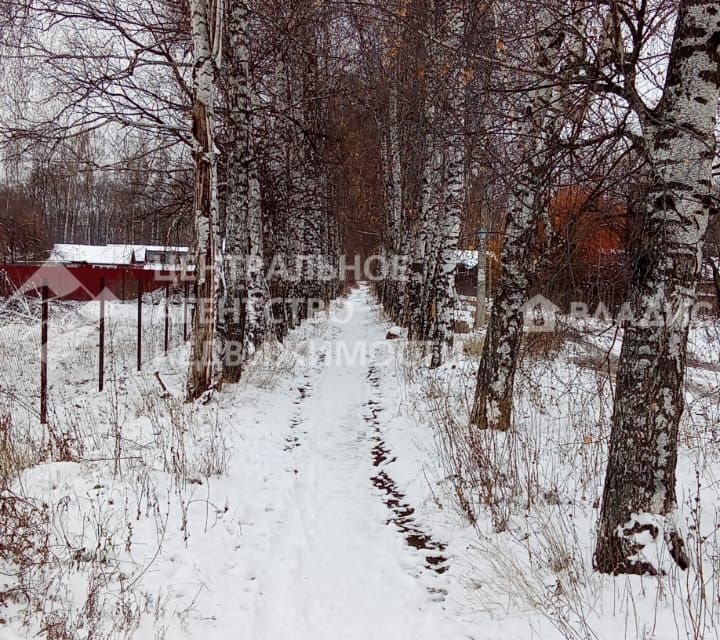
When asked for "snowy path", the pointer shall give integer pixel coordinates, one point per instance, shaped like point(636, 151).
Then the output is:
point(307, 502)
point(326, 562)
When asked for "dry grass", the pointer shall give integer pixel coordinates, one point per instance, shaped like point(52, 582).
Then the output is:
point(530, 491)
point(67, 567)
point(17, 453)
point(544, 345)
point(473, 346)
point(270, 364)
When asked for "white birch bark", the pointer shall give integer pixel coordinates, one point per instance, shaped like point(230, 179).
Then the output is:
point(639, 494)
point(454, 197)
point(205, 372)
point(419, 298)
point(391, 157)
point(246, 322)
point(537, 125)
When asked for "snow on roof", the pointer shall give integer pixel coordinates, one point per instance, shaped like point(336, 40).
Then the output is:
point(105, 255)
point(468, 259)
point(110, 254)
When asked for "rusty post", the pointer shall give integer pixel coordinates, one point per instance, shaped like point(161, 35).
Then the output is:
point(101, 366)
point(185, 311)
point(44, 355)
point(139, 325)
point(167, 317)
point(196, 293)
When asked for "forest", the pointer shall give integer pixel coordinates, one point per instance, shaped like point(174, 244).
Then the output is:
point(450, 355)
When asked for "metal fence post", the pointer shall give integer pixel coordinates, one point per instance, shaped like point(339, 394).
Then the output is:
point(167, 317)
point(139, 325)
point(185, 311)
point(44, 355)
point(480, 305)
point(101, 366)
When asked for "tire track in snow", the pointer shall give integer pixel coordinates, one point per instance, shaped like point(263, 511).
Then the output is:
point(403, 514)
point(305, 391)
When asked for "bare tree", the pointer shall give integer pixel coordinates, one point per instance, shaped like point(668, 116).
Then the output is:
point(243, 323)
point(23, 235)
point(536, 123)
point(454, 192)
point(98, 93)
point(679, 137)
point(206, 362)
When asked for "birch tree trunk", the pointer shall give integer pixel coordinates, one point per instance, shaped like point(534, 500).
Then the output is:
point(493, 396)
point(278, 156)
point(639, 492)
point(245, 324)
point(205, 372)
point(392, 168)
point(300, 172)
point(454, 186)
point(418, 298)
point(258, 296)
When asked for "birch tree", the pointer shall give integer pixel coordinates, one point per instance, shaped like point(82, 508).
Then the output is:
point(206, 364)
point(536, 127)
point(301, 229)
point(244, 324)
point(418, 297)
point(454, 189)
point(679, 135)
point(386, 48)
point(391, 159)
point(437, 68)
point(426, 71)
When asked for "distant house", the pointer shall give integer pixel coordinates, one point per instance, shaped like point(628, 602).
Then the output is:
point(126, 255)
point(466, 273)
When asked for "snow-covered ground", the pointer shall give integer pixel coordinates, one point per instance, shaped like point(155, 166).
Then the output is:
point(332, 494)
point(263, 514)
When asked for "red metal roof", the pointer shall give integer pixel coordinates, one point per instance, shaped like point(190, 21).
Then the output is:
point(83, 282)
